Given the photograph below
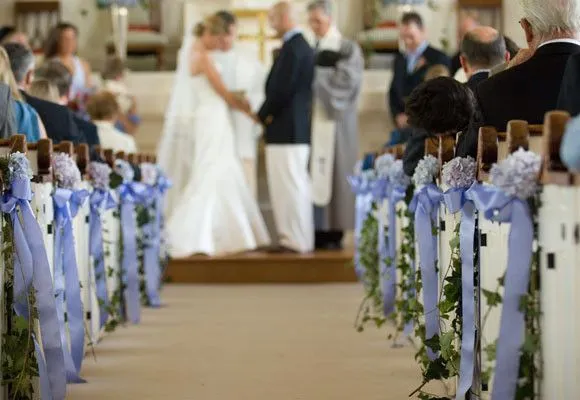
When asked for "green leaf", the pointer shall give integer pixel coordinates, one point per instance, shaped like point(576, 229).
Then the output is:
point(493, 299)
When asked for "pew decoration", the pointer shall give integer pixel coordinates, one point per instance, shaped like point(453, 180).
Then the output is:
point(102, 198)
point(68, 199)
point(28, 293)
point(425, 207)
point(150, 226)
point(514, 198)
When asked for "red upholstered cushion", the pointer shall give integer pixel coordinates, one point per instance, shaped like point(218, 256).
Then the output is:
point(387, 24)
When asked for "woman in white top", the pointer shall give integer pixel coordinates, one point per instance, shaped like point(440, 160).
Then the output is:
point(104, 109)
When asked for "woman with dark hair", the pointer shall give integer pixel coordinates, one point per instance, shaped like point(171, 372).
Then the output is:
point(441, 106)
point(61, 44)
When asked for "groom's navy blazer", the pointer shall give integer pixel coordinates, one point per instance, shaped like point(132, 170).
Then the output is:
point(286, 112)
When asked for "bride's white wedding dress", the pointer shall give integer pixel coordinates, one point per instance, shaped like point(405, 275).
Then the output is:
point(214, 213)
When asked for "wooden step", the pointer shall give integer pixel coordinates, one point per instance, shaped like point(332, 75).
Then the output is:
point(262, 267)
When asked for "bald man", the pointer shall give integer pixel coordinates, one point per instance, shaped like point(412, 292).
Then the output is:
point(286, 113)
point(482, 49)
point(467, 23)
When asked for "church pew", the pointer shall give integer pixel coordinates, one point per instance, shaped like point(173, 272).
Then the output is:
point(82, 241)
point(558, 238)
point(557, 225)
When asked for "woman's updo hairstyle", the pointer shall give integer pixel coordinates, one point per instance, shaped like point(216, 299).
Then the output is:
point(214, 25)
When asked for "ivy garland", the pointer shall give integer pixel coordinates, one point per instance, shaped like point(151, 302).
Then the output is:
point(371, 307)
point(116, 302)
point(144, 217)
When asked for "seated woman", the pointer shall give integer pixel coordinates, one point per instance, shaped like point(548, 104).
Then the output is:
point(61, 44)
point(104, 111)
point(27, 120)
point(441, 106)
point(400, 136)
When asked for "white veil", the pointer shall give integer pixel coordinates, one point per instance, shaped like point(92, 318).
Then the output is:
point(175, 149)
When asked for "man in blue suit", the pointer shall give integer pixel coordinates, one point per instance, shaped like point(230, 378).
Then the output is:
point(286, 113)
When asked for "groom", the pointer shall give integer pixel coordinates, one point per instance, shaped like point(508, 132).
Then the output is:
point(286, 115)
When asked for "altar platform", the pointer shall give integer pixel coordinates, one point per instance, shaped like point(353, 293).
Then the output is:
point(263, 267)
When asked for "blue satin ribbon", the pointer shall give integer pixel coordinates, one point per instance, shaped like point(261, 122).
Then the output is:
point(456, 201)
point(100, 201)
point(362, 188)
point(31, 268)
point(497, 206)
point(130, 194)
point(66, 280)
point(425, 205)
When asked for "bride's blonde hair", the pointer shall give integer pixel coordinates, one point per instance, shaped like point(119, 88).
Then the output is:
point(212, 24)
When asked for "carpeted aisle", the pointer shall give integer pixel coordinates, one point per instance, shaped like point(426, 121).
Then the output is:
point(269, 342)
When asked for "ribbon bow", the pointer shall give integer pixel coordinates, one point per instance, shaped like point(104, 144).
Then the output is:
point(131, 193)
point(456, 201)
point(496, 205)
point(31, 268)
point(100, 200)
point(425, 205)
point(66, 280)
point(362, 188)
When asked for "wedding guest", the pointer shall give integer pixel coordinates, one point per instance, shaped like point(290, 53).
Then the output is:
point(7, 123)
point(45, 90)
point(441, 106)
point(104, 111)
point(482, 49)
point(114, 81)
point(467, 22)
point(9, 34)
point(437, 71)
point(56, 73)
point(337, 86)
point(513, 49)
point(27, 120)
point(61, 44)
point(58, 120)
point(404, 135)
point(411, 65)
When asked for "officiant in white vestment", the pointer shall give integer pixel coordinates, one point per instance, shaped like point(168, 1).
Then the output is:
point(247, 76)
point(337, 85)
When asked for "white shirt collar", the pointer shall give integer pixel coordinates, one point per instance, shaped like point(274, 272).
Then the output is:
point(573, 41)
point(330, 41)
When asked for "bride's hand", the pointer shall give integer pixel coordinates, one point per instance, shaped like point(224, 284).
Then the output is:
point(242, 104)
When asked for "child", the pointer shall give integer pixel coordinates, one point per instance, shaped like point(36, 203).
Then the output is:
point(113, 75)
point(45, 90)
point(104, 111)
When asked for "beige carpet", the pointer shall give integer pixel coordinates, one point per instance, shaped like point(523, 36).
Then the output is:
point(250, 343)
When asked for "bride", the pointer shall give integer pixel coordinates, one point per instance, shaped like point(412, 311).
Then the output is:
point(210, 208)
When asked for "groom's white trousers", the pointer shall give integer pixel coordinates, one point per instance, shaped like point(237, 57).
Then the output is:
point(291, 194)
